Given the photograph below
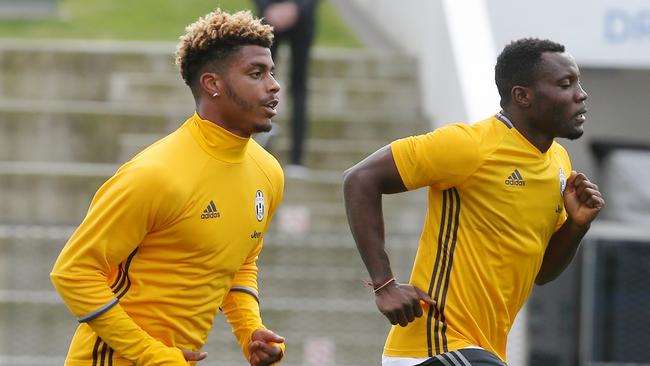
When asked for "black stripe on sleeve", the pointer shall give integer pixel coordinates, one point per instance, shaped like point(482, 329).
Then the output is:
point(125, 278)
point(128, 286)
point(120, 273)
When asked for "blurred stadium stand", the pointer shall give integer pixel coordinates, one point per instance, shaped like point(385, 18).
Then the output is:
point(617, 297)
point(28, 9)
point(70, 113)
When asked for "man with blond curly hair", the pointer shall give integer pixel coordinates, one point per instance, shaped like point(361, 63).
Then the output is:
point(175, 234)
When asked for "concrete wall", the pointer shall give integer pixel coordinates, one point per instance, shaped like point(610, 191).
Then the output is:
point(419, 29)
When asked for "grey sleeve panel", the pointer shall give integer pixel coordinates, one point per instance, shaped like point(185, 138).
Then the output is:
point(247, 290)
point(106, 307)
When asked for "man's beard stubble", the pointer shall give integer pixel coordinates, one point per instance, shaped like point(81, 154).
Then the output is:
point(247, 107)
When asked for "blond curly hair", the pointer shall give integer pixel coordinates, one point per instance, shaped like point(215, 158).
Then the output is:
point(216, 36)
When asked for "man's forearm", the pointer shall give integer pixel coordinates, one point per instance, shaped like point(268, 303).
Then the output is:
point(242, 311)
point(560, 251)
point(364, 211)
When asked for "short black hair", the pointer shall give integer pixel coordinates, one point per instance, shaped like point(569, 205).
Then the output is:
point(517, 63)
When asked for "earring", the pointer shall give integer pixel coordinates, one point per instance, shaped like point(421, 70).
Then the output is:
point(216, 94)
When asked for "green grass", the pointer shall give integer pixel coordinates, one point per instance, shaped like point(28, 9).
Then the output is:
point(155, 20)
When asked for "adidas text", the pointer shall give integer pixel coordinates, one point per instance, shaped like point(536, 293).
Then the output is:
point(211, 215)
point(512, 182)
point(515, 179)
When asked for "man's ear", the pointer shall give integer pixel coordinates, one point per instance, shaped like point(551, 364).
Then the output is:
point(521, 96)
point(211, 84)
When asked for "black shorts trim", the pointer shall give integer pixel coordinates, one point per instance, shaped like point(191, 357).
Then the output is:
point(464, 357)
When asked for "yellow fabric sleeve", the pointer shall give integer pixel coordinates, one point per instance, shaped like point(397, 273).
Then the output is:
point(117, 329)
point(442, 158)
point(119, 217)
point(242, 311)
point(241, 308)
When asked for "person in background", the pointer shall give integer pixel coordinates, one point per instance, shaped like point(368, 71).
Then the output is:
point(294, 22)
point(175, 234)
point(505, 211)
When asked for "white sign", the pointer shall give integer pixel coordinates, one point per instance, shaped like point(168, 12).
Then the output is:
point(598, 33)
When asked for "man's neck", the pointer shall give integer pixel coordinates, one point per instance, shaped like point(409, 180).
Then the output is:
point(538, 139)
point(209, 112)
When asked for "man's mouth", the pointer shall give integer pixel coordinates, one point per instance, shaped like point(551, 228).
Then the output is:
point(271, 106)
point(580, 116)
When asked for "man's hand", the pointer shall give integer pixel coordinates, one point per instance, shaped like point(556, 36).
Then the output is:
point(582, 199)
point(194, 356)
point(282, 16)
point(400, 303)
point(263, 351)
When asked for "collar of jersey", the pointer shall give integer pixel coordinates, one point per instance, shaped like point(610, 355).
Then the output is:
point(529, 145)
point(217, 141)
point(524, 141)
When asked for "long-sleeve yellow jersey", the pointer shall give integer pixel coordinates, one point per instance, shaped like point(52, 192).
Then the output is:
point(170, 238)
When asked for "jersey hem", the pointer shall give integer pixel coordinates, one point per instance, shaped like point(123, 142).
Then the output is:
point(423, 352)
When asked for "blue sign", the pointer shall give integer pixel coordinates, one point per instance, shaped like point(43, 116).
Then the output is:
point(623, 26)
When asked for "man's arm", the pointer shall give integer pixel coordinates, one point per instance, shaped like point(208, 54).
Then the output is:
point(260, 346)
point(583, 202)
point(363, 187)
point(117, 221)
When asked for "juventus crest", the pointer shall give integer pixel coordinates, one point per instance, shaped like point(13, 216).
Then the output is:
point(259, 205)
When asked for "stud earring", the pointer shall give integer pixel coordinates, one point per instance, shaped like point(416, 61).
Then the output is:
point(216, 94)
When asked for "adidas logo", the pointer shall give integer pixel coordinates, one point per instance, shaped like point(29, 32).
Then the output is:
point(210, 212)
point(515, 179)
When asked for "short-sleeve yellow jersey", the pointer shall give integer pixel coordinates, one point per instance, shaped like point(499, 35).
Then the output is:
point(169, 239)
point(494, 202)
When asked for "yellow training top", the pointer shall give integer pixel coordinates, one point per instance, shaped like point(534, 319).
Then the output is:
point(494, 202)
point(170, 238)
